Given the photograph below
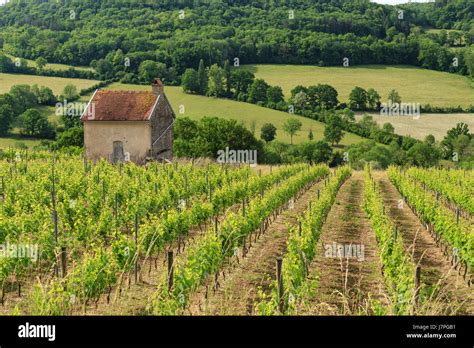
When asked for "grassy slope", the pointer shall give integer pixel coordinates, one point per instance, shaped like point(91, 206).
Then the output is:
point(55, 83)
point(414, 85)
point(198, 106)
point(52, 66)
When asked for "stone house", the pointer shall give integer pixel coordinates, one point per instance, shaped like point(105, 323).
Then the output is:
point(129, 125)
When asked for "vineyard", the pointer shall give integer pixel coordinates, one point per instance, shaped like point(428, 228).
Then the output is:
point(201, 238)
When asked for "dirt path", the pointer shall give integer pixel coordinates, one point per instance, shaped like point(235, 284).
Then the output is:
point(347, 284)
point(238, 292)
point(453, 296)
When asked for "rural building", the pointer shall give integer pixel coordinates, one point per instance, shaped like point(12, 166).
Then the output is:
point(129, 125)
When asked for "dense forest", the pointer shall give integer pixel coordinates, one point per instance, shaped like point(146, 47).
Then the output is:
point(120, 38)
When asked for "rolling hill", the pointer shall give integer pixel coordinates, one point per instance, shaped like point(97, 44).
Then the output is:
point(415, 85)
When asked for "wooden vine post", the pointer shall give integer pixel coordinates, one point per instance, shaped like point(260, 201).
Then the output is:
point(279, 276)
point(417, 286)
point(170, 270)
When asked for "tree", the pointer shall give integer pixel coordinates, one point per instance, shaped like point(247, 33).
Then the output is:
point(430, 139)
point(44, 95)
point(322, 96)
point(216, 86)
point(70, 92)
point(322, 152)
point(41, 62)
point(258, 91)
point(274, 95)
point(190, 81)
point(70, 137)
point(33, 123)
point(241, 80)
point(310, 135)
point(268, 132)
point(204, 138)
point(202, 78)
point(373, 98)
point(455, 38)
point(423, 155)
point(105, 68)
point(358, 98)
point(333, 132)
point(228, 78)
point(387, 127)
point(300, 100)
point(448, 142)
point(394, 97)
point(468, 58)
point(6, 118)
point(150, 70)
point(291, 127)
point(461, 143)
point(24, 98)
point(6, 64)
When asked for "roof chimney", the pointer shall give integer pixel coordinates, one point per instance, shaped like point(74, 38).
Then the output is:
point(157, 87)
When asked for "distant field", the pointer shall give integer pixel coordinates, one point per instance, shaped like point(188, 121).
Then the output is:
point(55, 83)
point(15, 141)
point(198, 106)
point(415, 85)
point(53, 66)
point(435, 124)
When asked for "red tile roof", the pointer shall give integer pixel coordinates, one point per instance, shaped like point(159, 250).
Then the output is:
point(120, 106)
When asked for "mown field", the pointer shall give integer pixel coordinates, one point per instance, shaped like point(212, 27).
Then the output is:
point(197, 107)
point(435, 124)
point(57, 84)
point(415, 85)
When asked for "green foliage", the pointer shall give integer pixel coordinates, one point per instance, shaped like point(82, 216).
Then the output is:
point(70, 92)
point(33, 123)
point(41, 62)
point(333, 132)
point(190, 81)
point(291, 127)
point(217, 82)
point(268, 132)
point(358, 99)
point(241, 81)
point(202, 78)
point(394, 97)
point(204, 138)
point(150, 70)
point(23, 97)
point(258, 92)
point(6, 118)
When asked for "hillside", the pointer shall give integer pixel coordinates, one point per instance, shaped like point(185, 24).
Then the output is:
point(415, 85)
point(197, 107)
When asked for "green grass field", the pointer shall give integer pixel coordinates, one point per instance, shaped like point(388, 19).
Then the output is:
point(17, 142)
point(55, 83)
point(196, 107)
point(52, 66)
point(414, 85)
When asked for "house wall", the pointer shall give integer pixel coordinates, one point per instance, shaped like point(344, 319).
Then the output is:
point(161, 132)
point(99, 137)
